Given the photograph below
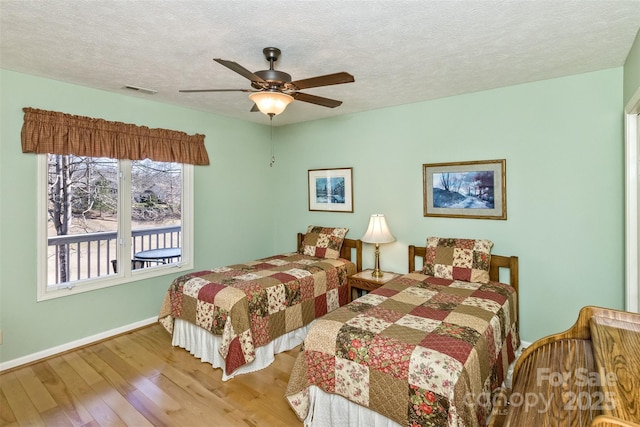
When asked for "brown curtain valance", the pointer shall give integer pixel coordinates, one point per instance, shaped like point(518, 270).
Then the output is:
point(59, 133)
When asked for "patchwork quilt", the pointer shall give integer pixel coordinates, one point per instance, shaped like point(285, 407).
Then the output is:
point(421, 350)
point(251, 304)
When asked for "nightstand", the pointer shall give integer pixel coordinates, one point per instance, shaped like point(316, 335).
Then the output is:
point(366, 282)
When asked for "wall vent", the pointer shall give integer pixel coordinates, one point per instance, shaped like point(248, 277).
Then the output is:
point(141, 89)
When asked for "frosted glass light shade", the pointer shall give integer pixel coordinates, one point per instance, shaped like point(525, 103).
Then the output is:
point(271, 103)
point(378, 231)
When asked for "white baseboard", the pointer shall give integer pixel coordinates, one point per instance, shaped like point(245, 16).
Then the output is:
point(74, 344)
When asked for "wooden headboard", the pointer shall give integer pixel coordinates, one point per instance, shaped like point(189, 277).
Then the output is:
point(348, 247)
point(497, 262)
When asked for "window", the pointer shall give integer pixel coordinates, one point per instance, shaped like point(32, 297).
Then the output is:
point(115, 200)
point(105, 222)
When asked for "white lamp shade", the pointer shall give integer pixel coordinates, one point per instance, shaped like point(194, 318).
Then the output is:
point(271, 103)
point(378, 231)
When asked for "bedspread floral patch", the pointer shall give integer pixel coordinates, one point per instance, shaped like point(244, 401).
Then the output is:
point(371, 299)
point(416, 322)
point(298, 273)
point(421, 292)
point(440, 305)
point(321, 370)
point(333, 279)
point(463, 333)
point(368, 323)
point(247, 345)
point(352, 381)
point(465, 285)
point(451, 300)
point(352, 343)
point(499, 288)
point(306, 288)
point(333, 300)
point(277, 298)
point(426, 408)
point(176, 299)
point(385, 314)
point(260, 329)
point(258, 304)
point(219, 320)
point(292, 294)
point(482, 303)
point(492, 339)
point(390, 356)
point(192, 286)
point(358, 306)
point(430, 369)
point(204, 315)
point(300, 402)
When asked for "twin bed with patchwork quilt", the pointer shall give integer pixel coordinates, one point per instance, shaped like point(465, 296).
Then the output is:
point(237, 317)
point(426, 349)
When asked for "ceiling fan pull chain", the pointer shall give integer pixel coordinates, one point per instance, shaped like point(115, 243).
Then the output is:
point(273, 156)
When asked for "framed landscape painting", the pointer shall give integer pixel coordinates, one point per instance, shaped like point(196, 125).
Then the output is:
point(475, 189)
point(331, 190)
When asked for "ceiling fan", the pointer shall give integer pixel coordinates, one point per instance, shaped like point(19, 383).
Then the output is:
point(273, 90)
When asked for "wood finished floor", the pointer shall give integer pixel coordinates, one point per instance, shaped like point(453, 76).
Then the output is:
point(139, 379)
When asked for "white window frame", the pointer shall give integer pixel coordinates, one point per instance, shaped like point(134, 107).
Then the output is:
point(632, 204)
point(125, 274)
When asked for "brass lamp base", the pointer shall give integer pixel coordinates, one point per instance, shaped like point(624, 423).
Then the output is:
point(377, 273)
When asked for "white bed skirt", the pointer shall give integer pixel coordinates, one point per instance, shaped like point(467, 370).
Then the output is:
point(204, 345)
point(334, 410)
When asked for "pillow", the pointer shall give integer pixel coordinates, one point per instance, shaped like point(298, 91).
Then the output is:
point(458, 259)
point(323, 242)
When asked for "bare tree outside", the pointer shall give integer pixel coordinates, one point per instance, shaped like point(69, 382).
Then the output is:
point(156, 192)
point(469, 190)
point(83, 205)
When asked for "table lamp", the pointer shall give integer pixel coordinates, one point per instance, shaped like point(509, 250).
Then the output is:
point(378, 232)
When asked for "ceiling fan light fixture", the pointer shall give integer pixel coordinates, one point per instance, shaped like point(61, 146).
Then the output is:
point(271, 103)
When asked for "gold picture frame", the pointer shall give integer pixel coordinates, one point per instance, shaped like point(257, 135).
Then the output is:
point(474, 189)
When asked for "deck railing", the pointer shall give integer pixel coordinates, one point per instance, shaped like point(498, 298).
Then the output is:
point(90, 255)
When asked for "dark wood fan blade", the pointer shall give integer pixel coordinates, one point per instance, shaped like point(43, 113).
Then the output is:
point(318, 100)
point(329, 79)
point(254, 109)
point(215, 90)
point(234, 66)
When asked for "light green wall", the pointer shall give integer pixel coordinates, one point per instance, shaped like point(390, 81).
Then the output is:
point(632, 70)
point(562, 141)
point(226, 215)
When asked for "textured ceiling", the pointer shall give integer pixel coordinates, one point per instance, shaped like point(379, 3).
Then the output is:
point(399, 51)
